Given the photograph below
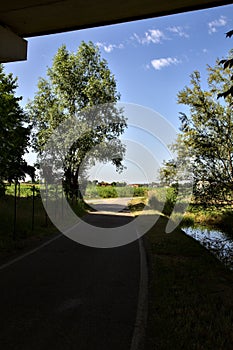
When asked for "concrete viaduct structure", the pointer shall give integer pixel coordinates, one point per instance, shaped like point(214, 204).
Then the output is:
point(21, 19)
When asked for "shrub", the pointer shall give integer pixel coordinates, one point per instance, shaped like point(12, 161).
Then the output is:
point(107, 192)
point(188, 220)
point(140, 192)
point(171, 196)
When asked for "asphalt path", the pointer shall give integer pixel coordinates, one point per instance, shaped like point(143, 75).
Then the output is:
point(67, 296)
point(110, 205)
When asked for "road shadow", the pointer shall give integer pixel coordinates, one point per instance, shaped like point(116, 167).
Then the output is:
point(108, 207)
point(107, 220)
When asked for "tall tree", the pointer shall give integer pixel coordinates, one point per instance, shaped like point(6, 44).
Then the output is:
point(77, 87)
point(207, 135)
point(227, 64)
point(14, 134)
point(168, 172)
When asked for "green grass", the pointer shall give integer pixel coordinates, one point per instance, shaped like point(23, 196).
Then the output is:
point(190, 294)
point(25, 233)
point(24, 190)
point(136, 205)
point(217, 217)
point(23, 230)
point(190, 291)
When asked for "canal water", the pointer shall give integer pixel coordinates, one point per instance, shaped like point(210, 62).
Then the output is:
point(219, 243)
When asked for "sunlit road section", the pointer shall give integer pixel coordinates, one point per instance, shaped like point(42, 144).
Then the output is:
point(110, 205)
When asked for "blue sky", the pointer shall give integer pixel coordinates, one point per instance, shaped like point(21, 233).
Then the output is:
point(151, 59)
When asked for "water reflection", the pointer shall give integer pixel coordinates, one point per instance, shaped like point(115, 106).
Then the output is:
point(219, 243)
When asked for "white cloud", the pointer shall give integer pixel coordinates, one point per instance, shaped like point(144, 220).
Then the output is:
point(146, 66)
point(221, 22)
point(204, 50)
point(160, 63)
point(153, 36)
point(109, 47)
point(178, 30)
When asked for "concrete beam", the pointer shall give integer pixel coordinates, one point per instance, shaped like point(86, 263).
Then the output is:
point(12, 47)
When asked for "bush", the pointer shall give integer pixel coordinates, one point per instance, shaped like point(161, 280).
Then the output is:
point(225, 222)
point(107, 192)
point(188, 220)
point(140, 191)
point(171, 196)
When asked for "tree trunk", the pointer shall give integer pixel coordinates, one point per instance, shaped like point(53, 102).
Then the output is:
point(72, 187)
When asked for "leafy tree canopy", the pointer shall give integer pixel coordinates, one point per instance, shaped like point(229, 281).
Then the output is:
point(205, 144)
point(14, 134)
point(77, 88)
point(227, 64)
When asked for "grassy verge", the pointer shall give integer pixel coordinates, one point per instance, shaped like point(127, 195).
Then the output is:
point(17, 235)
point(219, 217)
point(136, 205)
point(25, 233)
point(190, 294)
point(190, 291)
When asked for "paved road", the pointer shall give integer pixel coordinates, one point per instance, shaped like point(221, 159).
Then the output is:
point(112, 205)
point(67, 296)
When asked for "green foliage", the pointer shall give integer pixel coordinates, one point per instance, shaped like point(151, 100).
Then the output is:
point(124, 191)
point(23, 221)
point(136, 205)
point(140, 191)
point(25, 234)
point(95, 191)
point(226, 222)
point(170, 201)
point(23, 190)
point(163, 199)
point(107, 192)
point(75, 84)
point(168, 172)
point(91, 191)
point(227, 63)
point(14, 135)
point(214, 217)
point(187, 221)
point(204, 146)
point(79, 207)
point(190, 294)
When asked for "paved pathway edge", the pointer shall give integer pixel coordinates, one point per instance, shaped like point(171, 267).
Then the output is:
point(139, 332)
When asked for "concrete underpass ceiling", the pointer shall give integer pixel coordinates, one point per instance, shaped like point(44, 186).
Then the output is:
point(28, 18)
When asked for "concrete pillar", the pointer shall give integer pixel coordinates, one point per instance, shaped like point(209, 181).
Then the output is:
point(12, 47)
